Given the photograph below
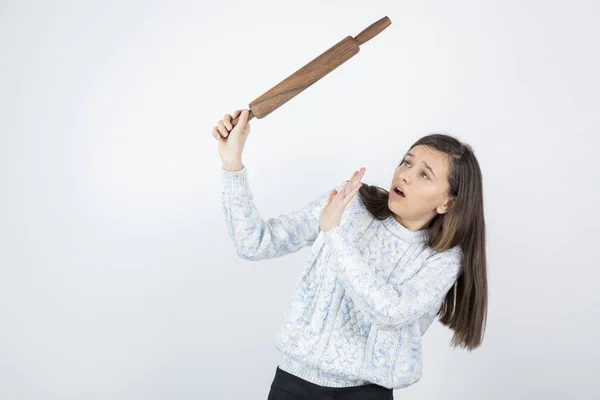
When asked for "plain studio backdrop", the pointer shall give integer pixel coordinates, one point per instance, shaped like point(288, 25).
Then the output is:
point(117, 276)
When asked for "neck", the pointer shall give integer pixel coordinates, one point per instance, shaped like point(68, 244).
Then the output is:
point(413, 225)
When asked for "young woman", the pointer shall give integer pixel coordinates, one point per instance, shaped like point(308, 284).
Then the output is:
point(383, 266)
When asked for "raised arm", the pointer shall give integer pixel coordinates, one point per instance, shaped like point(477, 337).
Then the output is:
point(256, 239)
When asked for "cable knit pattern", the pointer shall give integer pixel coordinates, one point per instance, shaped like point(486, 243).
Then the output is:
point(367, 293)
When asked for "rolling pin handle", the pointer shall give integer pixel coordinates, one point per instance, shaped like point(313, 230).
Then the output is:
point(372, 30)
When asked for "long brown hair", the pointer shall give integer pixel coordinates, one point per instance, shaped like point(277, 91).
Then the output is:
point(464, 309)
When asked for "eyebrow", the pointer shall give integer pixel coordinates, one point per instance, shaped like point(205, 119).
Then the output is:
point(426, 165)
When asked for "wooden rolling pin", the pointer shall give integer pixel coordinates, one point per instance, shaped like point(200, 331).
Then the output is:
point(312, 72)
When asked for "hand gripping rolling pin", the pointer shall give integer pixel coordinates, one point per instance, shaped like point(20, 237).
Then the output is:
point(312, 72)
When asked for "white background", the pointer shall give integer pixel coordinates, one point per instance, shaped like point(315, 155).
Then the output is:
point(117, 277)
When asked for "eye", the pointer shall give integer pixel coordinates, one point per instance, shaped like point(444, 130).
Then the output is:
point(422, 173)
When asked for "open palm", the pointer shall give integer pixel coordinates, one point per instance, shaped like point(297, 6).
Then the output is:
point(332, 213)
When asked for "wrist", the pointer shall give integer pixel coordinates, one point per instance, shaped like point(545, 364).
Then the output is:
point(233, 166)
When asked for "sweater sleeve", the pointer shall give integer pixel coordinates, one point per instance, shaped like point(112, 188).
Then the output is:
point(256, 239)
point(384, 304)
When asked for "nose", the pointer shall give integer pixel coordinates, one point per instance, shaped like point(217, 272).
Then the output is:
point(404, 177)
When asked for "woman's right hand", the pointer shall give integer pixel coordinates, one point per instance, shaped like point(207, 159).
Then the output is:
point(232, 137)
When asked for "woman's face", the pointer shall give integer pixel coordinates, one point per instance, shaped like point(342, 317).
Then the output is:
point(423, 178)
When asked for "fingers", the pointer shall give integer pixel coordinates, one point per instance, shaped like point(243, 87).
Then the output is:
point(227, 122)
point(331, 196)
point(225, 125)
point(216, 134)
point(243, 117)
point(350, 192)
point(353, 184)
point(224, 132)
point(358, 175)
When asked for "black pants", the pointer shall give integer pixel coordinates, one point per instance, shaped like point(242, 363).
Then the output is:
point(287, 386)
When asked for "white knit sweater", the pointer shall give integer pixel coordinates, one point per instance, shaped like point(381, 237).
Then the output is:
point(368, 291)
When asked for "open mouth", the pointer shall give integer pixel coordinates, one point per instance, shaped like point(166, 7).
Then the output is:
point(399, 192)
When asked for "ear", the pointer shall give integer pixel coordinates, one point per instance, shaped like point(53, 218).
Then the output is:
point(444, 208)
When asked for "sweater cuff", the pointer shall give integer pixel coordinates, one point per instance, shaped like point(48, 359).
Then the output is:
point(336, 238)
point(235, 181)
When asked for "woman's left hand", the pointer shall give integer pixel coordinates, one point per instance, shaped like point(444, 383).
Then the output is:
point(332, 213)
